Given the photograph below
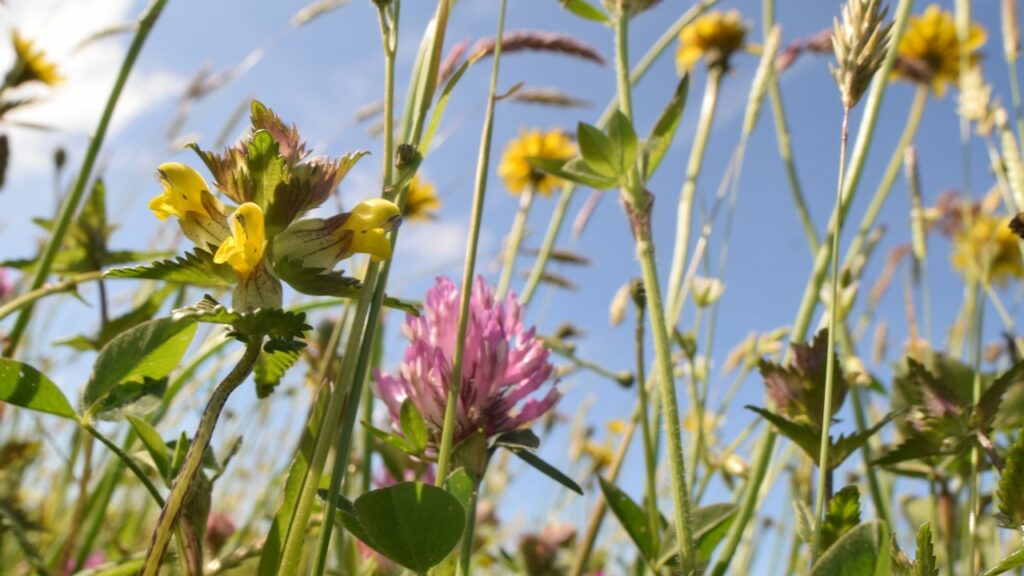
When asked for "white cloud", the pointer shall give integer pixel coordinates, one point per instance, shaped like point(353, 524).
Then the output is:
point(74, 107)
point(424, 250)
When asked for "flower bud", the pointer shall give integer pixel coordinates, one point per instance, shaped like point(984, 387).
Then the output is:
point(322, 243)
point(706, 291)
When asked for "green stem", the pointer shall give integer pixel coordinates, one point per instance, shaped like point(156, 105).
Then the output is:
point(479, 193)
point(1011, 65)
point(515, 240)
point(824, 468)
point(766, 445)
point(784, 138)
point(638, 209)
point(193, 459)
point(639, 71)
point(29, 298)
point(70, 205)
point(466, 553)
point(650, 454)
point(693, 167)
point(128, 461)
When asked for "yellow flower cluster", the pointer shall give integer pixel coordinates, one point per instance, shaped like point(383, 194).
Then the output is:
point(31, 64)
point(715, 36)
point(931, 43)
point(515, 169)
point(421, 201)
point(989, 249)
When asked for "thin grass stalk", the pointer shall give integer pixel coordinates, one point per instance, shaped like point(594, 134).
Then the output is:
point(70, 205)
point(784, 138)
point(513, 242)
point(469, 266)
point(360, 327)
point(197, 449)
point(919, 241)
point(709, 104)
point(564, 199)
point(638, 208)
point(865, 132)
point(824, 491)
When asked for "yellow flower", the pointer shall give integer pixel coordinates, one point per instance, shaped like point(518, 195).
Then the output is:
point(714, 36)
point(322, 243)
point(183, 192)
point(31, 64)
point(421, 200)
point(516, 172)
point(989, 249)
point(930, 43)
point(243, 250)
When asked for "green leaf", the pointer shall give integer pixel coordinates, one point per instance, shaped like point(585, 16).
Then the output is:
point(196, 268)
point(415, 525)
point(842, 516)
point(523, 438)
point(859, 552)
point(802, 434)
point(441, 106)
point(144, 311)
point(548, 470)
point(391, 439)
point(266, 168)
point(599, 152)
point(347, 516)
point(585, 10)
point(1011, 497)
point(155, 445)
point(133, 361)
point(633, 519)
point(135, 398)
point(472, 454)
point(664, 130)
point(925, 564)
point(623, 139)
point(23, 385)
point(710, 525)
point(1008, 563)
point(992, 398)
point(73, 259)
point(271, 367)
point(413, 426)
point(272, 323)
point(846, 445)
point(573, 170)
point(270, 557)
point(320, 282)
point(461, 485)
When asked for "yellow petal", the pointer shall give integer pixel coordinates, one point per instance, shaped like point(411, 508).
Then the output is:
point(183, 192)
point(368, 223)
point(244, 249)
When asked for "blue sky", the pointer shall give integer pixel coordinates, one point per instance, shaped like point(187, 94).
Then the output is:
point(319, 75)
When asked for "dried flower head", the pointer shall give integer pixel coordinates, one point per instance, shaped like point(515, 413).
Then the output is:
point(1011, 30)
point(930, 49)
point(515, 169)
point(859, 42)
point(715, 36)
point(504, 365)
point(706, 291)
point(975, 101)
point(30, 64)
point(538, 41)
point(421, 201)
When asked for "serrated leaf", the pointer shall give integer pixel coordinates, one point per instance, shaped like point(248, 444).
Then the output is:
point(272, 323)
point(924, 563)
point(548, 470)
point(846, 445)
point(624, 142)
point(632, 518)
point(992, 397)
point(1008, 563)
point(24, 386)
point(599, 153)
point(585, 10)
point(664, 131)
point(196, 268)
point(271, 367)
point(154, 444)
point(135, 359)
point(1011, 497)
point(415, 525)
point(321, 282)
point(857, 553)
point(72, 259)
point(266, 168)
point(842, 516)
point(802, 434)
point(414, 428)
